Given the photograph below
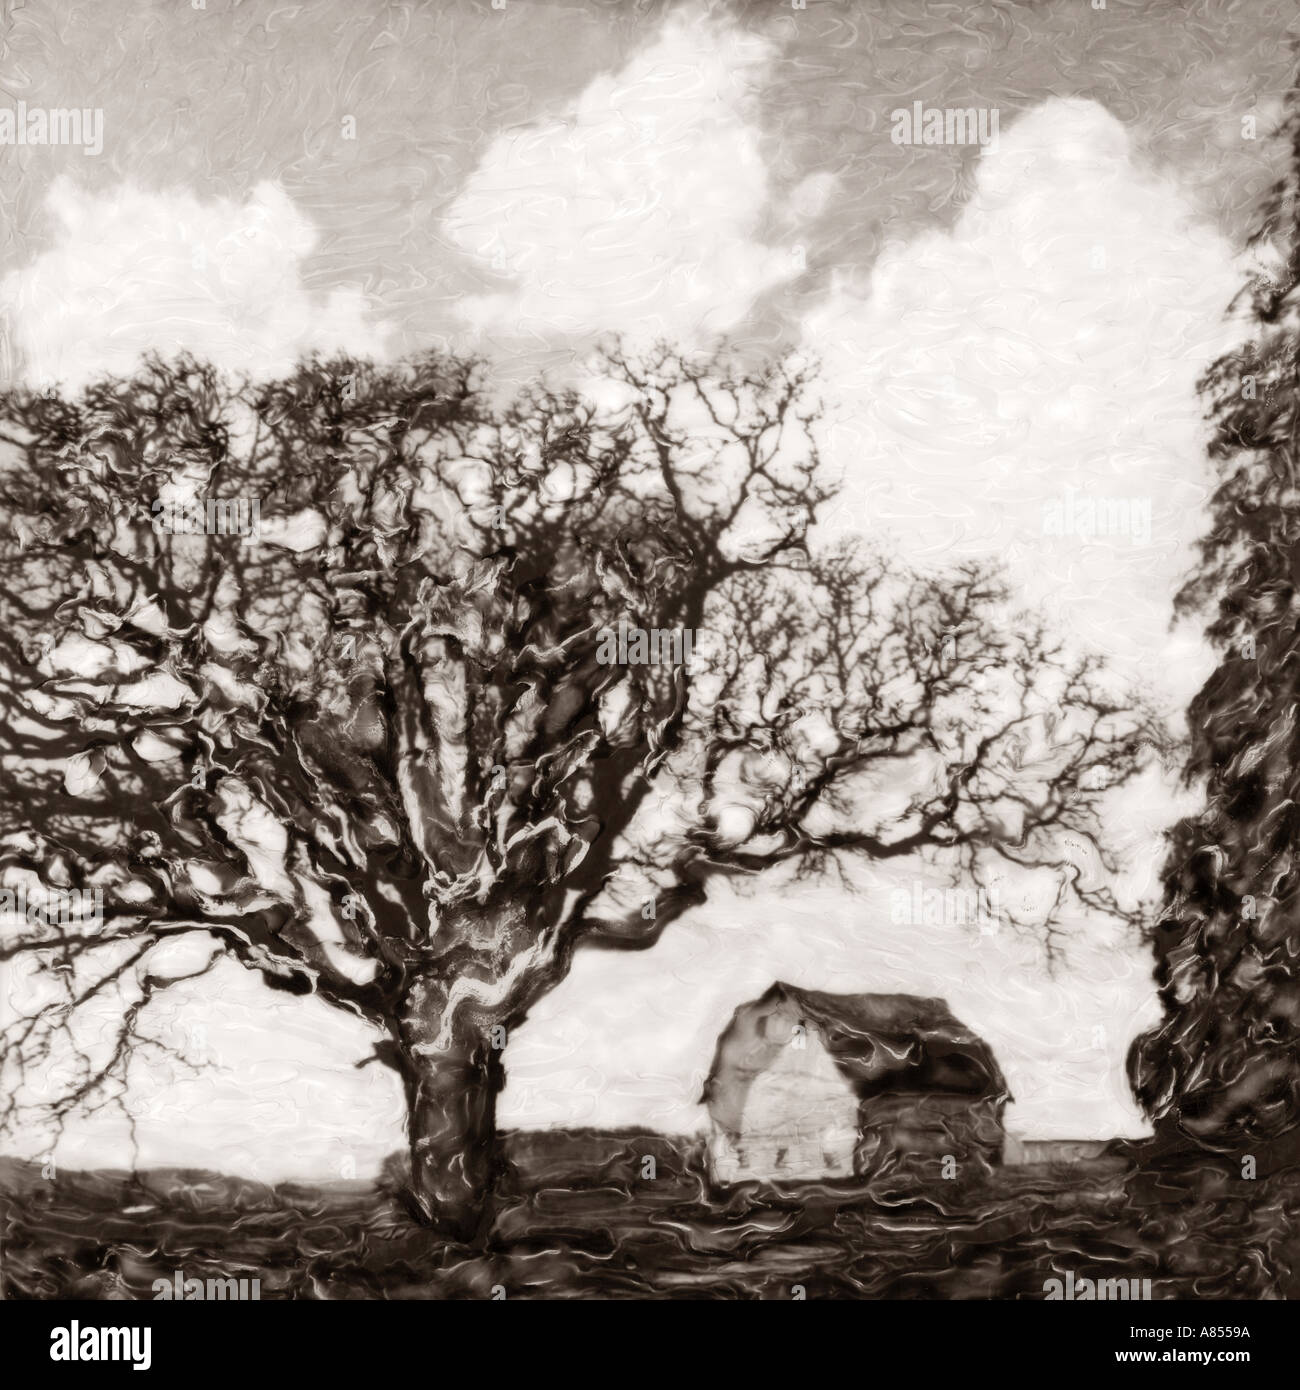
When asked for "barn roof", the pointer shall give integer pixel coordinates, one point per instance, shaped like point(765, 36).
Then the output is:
point(879, 1042)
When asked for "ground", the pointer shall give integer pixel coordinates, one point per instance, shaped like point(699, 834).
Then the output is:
point(579, 1217)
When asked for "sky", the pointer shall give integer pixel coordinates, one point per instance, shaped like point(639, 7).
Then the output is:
point(1010, 335)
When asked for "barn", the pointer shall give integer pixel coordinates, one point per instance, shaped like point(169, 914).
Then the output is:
point(808, 1086)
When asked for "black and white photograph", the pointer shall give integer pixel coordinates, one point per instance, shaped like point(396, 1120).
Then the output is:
point(650, 651)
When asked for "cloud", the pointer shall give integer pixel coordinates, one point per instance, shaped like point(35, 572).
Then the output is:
point(1051, 339)
point(991, 383)
point(131, 271)
point(635, 211)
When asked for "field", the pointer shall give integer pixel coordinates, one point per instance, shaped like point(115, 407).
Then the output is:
point(579, 1217)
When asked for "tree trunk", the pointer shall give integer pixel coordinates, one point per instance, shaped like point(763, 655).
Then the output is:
point(452, 1073)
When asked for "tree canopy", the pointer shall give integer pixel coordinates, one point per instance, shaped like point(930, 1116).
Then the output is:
point(378, 752)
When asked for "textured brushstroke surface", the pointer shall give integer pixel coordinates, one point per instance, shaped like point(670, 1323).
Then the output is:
point(711, 516)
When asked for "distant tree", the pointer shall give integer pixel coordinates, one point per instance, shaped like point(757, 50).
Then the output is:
point(381, 755)
point(1223, 1070)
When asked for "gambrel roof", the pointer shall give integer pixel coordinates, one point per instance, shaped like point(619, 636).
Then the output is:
point(879, 1042)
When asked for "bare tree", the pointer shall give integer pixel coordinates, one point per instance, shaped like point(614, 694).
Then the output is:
point(438, 727)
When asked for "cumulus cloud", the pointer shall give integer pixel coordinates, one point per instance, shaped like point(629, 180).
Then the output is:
point(991, 383)
point(636, 210)
point(1051, 339)
point(131, 271)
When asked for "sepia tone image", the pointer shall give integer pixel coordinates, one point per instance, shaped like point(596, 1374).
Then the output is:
point(649, 650)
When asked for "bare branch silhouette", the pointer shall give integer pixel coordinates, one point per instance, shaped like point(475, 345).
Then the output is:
point(392, 752)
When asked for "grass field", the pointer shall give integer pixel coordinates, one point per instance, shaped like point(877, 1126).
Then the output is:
point(577, 1218)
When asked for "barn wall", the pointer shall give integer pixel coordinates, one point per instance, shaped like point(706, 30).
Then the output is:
point(800, 1121)
point(918, 1129)
point(783, 1109)
point(1029, 1151)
